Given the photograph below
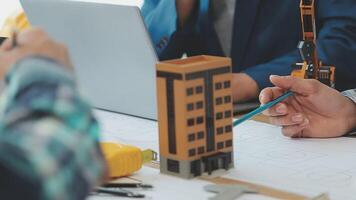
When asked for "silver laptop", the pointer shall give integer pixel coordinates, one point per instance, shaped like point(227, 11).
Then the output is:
point(110, 48)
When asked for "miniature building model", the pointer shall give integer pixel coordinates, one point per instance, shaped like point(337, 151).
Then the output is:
point(195, 115)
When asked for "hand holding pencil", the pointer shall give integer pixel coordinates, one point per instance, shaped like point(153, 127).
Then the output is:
point(315, 110)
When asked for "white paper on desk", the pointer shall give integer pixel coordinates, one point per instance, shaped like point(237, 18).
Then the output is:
point(303, 166)
point(128, 130)
point(264, 156)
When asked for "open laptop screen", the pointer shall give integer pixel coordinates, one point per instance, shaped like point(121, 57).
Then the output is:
point(117, 72)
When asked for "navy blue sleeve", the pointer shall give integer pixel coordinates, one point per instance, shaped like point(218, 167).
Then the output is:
point(336, 40)
point(280, 66)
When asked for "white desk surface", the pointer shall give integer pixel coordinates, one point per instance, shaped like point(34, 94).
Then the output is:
point(262, 155)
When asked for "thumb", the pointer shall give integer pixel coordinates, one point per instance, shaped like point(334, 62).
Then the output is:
point(298, 85)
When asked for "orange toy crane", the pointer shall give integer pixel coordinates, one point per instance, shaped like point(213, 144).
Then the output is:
point(311, 68)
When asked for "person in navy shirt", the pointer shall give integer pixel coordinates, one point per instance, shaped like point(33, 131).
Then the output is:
point(260, 36)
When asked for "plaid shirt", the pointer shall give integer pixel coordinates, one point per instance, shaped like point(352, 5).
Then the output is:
point(48, 136)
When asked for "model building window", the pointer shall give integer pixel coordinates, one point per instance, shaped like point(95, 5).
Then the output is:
point(190, 106)
point(199, 90)
point(190, 91)
point(173, 166)
point(201, 150)
point(218, 101)
point(191, 152)
point(228, 129)
point(191, 137)
point(220, 145)
point(219, 115)
point(227, 99)
point(199, 105)
point(227, 114)
point(190, 122)
point(200, 135)
point(218, 86)
point(228, 143)
point(227, 84)
point(220, 130)
point(200, 120)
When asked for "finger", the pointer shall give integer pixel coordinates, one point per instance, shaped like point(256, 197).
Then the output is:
point(295, 131)
point(269, 94)
point(32, 36)
point(280, 109)
point(288, 120)
point(300, 86)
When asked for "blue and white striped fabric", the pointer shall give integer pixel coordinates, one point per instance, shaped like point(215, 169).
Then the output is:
point(350, 94)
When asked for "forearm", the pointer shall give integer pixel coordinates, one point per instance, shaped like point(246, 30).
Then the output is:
point(244, 88)
point(43, 118)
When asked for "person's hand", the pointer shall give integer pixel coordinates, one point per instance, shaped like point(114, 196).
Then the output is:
point(244, 87)
point(184, 10)
point(33, 42)
point(315, 110)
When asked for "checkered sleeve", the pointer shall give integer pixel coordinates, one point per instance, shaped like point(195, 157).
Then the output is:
point(47, 132)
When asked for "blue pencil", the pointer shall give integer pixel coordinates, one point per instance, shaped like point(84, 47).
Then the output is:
point(262, 108)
